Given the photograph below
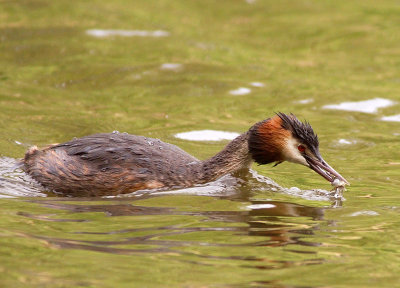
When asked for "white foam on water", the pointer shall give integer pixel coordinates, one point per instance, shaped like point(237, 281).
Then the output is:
point(260, 206)
point(14, 182)
point(257, 84)
point(294, 190)
point(240, 91)
point(228, 186)
point(6, 196)
point(305, 101)
point(224, 186)
point(346, 142)
point(364, 213)
point(212, 189)
point(171, 66)
point(393, 118)
point(103, 33)
point(367, 106)
point(207, 135)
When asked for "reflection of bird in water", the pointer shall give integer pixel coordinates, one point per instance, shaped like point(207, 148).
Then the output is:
point(110, 164)
point(271, 219)
point(273, 223)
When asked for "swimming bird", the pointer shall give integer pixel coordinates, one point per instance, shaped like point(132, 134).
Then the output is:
point(117, 163)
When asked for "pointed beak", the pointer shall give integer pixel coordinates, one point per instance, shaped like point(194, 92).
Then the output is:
point(323, 169)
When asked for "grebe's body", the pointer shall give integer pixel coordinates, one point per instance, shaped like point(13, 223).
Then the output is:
point(117, 163)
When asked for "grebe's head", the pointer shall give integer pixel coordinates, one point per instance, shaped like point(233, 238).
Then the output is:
point(285, 138)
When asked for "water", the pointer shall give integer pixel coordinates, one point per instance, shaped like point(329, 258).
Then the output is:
point(277, 227)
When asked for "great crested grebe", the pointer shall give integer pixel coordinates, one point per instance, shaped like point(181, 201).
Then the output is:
point(117, 163)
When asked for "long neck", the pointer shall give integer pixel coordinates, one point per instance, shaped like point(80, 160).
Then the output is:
point(234, 157)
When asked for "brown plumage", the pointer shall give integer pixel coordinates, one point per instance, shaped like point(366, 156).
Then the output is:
point(267, 139)
point(117, 163)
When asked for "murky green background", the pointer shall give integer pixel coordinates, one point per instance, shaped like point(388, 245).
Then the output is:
point(57, 82)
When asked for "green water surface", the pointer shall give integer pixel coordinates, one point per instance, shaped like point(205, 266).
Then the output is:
point(57, 82)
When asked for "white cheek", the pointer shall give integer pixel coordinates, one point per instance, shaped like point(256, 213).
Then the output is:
point(293, 155)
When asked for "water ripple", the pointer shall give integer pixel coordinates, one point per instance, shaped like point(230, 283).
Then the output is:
point(14, 182)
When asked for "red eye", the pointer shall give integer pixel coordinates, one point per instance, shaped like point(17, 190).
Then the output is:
point(301, 148)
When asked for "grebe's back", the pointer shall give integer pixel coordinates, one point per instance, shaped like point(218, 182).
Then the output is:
point(110, 164)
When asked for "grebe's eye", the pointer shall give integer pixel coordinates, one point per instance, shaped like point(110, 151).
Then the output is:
point(301, 148)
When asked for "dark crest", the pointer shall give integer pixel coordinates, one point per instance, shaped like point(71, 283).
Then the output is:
point(301, 131)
